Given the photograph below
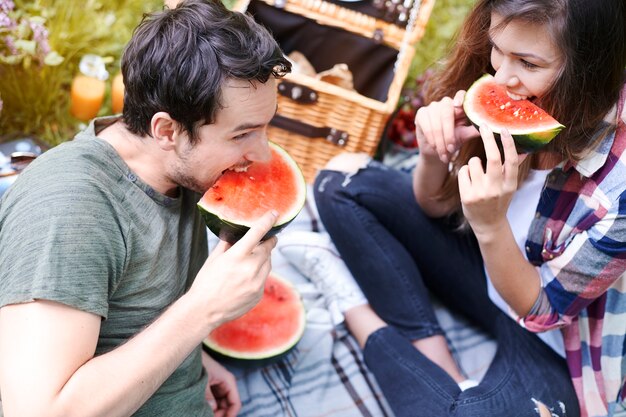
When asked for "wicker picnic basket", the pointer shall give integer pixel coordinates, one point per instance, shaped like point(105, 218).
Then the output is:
point(317, 120)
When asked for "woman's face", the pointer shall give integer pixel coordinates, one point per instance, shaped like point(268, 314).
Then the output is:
point(524, 57)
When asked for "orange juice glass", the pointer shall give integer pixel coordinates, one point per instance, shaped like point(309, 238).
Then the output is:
point(87, 96)
point(117, 94)
point(88, 88)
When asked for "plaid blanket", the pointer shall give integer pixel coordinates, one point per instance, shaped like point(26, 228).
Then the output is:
point(324, 375)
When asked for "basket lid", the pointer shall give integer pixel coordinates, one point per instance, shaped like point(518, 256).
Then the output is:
point(351, 19)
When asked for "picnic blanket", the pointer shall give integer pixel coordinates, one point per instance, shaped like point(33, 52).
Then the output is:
point(324, 375)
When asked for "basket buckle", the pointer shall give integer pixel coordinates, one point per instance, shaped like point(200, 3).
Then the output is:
point(298, 93)
point(337, 137)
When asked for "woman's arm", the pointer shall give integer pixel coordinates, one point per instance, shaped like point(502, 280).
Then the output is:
point(486, 194)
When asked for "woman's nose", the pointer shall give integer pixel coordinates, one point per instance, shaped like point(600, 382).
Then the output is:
point(505, 76)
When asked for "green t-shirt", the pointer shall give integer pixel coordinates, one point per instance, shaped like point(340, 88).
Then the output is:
point(80, 228)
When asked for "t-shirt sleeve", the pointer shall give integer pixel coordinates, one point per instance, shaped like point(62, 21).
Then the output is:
point(61, 241)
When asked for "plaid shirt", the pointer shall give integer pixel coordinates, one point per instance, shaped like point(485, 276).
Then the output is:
point(578, 242)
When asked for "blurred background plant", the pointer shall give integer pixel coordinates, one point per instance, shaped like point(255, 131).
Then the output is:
point(41, 43)
point(445, 19)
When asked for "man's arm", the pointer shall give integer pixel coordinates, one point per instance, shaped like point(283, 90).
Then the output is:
point(47, 365)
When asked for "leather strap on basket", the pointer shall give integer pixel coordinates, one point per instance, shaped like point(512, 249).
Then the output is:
point(335, 136)
point(298, 93)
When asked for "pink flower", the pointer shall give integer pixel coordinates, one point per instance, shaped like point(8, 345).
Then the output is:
point(5, 20)
point(7, 6)
point(40, 35)
point(10, 44)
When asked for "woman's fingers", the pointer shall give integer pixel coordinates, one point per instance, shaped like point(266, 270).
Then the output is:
point(435, 125)
point(447, 139)
point(492, 153)
point(511, 161)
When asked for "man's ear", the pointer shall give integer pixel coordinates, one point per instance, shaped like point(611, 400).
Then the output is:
point(165, 130)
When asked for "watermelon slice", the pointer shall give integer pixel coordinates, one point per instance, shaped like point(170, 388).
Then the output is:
point(266, 332)
point(488, 103)
point(237, 199)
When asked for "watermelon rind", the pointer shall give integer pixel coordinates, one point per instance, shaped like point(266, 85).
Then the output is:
point(231, 230)
point(254, 358)
point(527, 139)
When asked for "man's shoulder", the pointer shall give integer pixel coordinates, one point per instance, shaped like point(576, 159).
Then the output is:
point(73, 161)
point(71, 177)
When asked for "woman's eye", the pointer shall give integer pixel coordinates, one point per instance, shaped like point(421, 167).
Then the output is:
point(529, 65)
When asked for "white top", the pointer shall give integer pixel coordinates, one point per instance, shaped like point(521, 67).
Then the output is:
point(520, 215)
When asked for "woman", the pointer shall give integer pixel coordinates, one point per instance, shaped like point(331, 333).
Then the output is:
point(532, 248)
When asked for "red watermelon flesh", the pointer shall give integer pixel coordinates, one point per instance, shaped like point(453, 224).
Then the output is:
point(271, 328)
point(487, 102)
point(238, 198)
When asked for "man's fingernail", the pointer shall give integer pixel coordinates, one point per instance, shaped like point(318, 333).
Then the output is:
point(274, 213)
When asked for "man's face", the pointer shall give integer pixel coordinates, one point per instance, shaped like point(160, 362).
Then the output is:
point(237, 139)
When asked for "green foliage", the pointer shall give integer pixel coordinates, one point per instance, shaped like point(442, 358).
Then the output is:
point(442, 26)
point(36, 95)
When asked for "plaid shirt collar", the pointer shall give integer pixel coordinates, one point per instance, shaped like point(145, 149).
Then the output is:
point(596, 158)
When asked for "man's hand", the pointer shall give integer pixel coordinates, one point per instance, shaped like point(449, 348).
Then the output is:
point(232, 279)
point(221, 390)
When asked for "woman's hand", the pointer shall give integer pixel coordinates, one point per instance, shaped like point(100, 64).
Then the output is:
point(221, 390)
point(441, 128)
point(486, 193)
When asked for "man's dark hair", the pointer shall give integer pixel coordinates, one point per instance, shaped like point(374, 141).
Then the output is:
point(179, 59)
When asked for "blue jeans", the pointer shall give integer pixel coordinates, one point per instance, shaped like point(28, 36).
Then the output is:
point(400, 257)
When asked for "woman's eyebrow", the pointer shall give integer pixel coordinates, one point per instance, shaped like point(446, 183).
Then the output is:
point(522, 54)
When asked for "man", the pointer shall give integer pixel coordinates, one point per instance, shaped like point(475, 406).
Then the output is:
point(106, 292)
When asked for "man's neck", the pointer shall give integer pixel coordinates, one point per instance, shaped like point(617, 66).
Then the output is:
point(141, 154)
